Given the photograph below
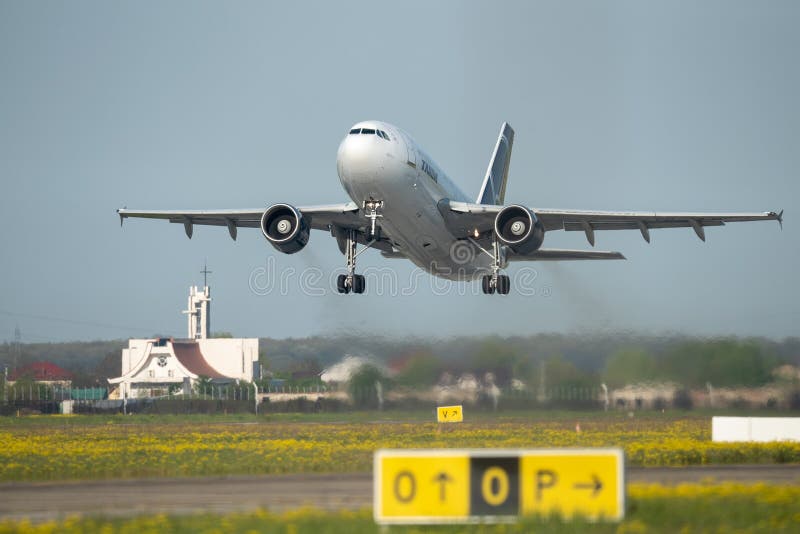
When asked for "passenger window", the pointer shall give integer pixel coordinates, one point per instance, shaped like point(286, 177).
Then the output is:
point(355, 131)
point(368, 131)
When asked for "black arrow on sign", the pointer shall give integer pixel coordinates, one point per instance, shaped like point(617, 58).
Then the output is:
point(595, 485)
point(442, 478)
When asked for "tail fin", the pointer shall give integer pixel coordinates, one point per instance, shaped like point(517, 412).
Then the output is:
point(493, 190)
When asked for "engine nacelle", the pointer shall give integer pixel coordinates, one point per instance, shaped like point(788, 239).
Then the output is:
point(519, 229)
point(285, 228)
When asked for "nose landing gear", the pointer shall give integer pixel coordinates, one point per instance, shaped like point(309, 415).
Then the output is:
point(371, 208)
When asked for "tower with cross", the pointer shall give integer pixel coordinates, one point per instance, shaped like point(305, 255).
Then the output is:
point(205, 272)
point(199, 310)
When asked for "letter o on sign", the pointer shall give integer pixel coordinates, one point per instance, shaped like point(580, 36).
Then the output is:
point(405, 492)
point(494, 486)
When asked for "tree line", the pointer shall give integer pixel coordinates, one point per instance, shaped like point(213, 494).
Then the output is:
point(552, 359)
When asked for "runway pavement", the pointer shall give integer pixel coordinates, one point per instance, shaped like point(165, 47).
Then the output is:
point(52, 500)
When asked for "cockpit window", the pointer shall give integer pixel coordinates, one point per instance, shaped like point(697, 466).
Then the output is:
point(370, 131)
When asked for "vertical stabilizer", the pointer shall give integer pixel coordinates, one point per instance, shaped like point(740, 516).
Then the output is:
point(493, 190)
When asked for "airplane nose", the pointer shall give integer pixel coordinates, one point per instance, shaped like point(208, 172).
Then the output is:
point(357, 156)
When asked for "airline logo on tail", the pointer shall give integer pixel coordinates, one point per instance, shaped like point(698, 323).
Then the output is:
point(493, 190)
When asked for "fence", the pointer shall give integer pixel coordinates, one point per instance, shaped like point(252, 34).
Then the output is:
point(218, 399)
point(32, 398)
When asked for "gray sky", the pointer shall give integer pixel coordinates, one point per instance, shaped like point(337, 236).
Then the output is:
point(191, 105)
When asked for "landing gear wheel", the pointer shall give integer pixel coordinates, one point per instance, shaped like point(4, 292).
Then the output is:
point(341, 284)
point(359, 283)
point(496, 281)
point(352, 282)
point(486, 283)
point(503, 284)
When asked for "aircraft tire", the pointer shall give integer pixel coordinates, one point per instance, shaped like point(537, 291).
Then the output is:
point(503, 284)
point(486, 284)
point(341, 286)
point(359, 283)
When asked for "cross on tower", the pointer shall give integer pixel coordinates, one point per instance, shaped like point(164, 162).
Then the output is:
point(205, 273)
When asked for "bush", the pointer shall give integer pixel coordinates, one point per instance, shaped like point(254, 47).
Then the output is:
point(364, 387)
point(794, 400)
point(682, 400)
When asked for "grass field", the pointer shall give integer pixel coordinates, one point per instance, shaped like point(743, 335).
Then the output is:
point(93, 447)
point(686, 508)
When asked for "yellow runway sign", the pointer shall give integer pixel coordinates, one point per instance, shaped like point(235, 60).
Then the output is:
point(456, 486)
point(449, 414)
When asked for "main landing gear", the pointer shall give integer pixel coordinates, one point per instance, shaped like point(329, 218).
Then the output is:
point(356, 282)
point(500, 283)
point(345, 283)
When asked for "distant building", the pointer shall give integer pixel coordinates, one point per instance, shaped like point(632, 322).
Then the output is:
point(159, 366)
point(42, 372)
point(647, 396)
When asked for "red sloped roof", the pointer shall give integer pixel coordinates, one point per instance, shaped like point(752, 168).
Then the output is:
point(41, 371)
point(188, 353)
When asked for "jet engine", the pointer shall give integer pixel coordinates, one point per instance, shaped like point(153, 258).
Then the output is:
point(519, 229)
point(285, 228)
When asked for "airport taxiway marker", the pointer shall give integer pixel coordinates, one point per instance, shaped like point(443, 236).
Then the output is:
point(462, 486)
point(450, 414)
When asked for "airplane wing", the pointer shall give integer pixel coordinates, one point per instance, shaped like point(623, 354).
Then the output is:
point(482, 217)
point(319, 217)
point(589, 221)
point(553, 254)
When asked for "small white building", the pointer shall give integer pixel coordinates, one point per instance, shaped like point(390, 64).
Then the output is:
point(343, 370)
point(159, 366)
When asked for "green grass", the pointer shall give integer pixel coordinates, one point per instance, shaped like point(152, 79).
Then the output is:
point(429, 415)
point(88, 447)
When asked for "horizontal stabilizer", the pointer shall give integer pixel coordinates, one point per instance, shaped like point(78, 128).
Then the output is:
point(554, 254)
point(394, 254)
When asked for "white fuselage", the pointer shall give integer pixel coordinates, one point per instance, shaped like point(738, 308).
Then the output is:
point(410, 184)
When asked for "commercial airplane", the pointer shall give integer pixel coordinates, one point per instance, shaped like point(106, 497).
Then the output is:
point(404, 205)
